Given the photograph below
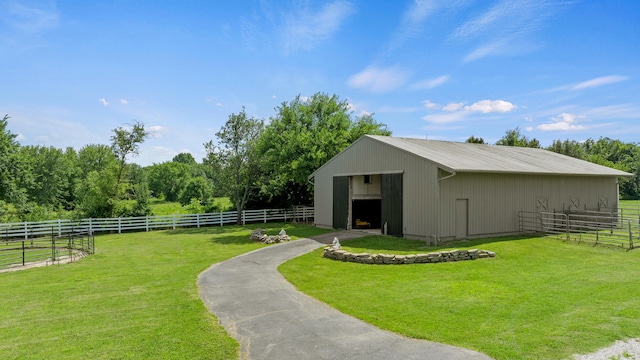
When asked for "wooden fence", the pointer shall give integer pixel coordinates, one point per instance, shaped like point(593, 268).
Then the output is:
point(27, 230)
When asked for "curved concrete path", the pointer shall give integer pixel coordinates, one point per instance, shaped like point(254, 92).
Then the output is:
point(272, 320)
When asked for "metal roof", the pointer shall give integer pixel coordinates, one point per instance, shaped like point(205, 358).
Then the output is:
point(467, 157)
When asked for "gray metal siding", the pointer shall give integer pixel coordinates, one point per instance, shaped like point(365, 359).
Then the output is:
point(495, 199)
point(367, 156)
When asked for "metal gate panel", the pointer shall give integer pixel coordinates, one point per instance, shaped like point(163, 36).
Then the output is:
point(340, 202)
point(391, 205)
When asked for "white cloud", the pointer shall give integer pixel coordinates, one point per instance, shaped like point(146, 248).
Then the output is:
point(274, 97)
point(219, 104)
point(446, 117)
point(20, 137)
point(430, 83)
point(453, 107)
point(124, 102)
point(306, 29)
point(430, 105)
point(605, 80)
point(563, 122)
point(157, 131)
point(378, 80)
point(491, 106)
point(103, 101)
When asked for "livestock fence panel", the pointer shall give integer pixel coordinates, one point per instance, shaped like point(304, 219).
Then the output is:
point(52, 240)
point(619, 227)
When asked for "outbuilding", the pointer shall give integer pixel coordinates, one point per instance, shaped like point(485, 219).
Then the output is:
point(440, 190)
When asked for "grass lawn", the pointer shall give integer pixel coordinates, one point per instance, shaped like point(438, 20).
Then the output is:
point(161, 207)
point(135, 298)
point(540, 298)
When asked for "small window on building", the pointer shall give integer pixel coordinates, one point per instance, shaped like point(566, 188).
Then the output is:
point(367, 179)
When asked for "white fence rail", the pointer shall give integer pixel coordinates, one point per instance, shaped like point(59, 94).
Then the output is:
point(27, 230)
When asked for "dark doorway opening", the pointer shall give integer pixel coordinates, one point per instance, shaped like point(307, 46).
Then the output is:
point(366, 214)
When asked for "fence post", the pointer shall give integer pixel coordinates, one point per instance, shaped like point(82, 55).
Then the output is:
point(220, 218)
point(119, 225)
point(264, 212)
point(198, 220)
point(630, 236)
point(566, 219)
point(22, 252)
point(59, 227)
point(26, 231)
point(90, 227)
point(146, 223)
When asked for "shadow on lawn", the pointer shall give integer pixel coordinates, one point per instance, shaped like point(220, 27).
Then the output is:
point(389, 243)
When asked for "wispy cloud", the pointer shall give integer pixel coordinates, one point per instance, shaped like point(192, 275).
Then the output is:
point(305, 28)
point(605, 80)
point(124, 102)
point(378, 80)
point(430, 105)
point(563, 122)
point(503, 28)
point(430, 83)
point(30, 19)
point(103, 101)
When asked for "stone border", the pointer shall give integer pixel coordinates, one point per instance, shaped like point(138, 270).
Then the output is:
point(434, 257)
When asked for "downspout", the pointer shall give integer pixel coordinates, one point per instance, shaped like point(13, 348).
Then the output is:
point(453, 173)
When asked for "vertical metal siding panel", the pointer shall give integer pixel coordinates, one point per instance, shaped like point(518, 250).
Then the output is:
point(420, 187)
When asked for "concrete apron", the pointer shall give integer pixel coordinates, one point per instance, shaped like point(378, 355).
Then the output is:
point(272, 320)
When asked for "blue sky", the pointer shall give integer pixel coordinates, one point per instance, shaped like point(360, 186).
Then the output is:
point(443, 69)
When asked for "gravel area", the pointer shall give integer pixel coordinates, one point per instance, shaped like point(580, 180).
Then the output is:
point(620, 350)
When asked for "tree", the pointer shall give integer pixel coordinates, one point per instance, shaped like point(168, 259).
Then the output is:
point(475, 140)
point(238, 157)
point(168, 179)
point(196, 188)
point(568, 147)
point(125, 142)
point(304, 135)
point(184, 158)
point(515, 138)
point(9, 163)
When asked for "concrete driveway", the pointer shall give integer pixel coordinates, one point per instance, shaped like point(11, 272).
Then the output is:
point(272, 320)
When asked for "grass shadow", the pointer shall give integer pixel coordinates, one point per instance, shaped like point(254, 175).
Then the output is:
point(383, 243)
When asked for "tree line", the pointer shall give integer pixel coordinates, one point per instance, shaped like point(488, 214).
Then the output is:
point(604, 151)
point(253, 163)
point(257, 164)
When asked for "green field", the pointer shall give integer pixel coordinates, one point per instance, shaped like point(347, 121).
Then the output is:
point(540, 298)
point(136, 298)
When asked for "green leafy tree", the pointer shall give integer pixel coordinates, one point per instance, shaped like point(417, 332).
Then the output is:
point(168, 179)
point(196, 188)
point(303, 135)
point(184, 158)
point(568, 147)
point(475, 140)
point(9, 164)
point(238, 157)
point(125, 142)
point(516, 138)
